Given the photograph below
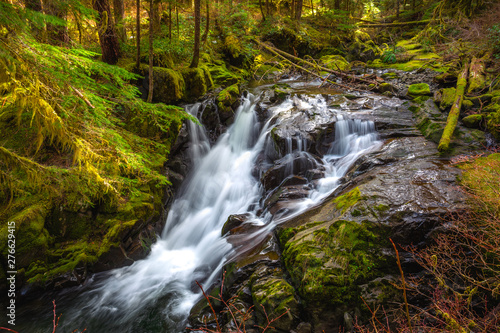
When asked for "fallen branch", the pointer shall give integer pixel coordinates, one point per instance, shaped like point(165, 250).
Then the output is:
point(395, 24)
point(283, 55)
point(452, 120)
point(82, 97)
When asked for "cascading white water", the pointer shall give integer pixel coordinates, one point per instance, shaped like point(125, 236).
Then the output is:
point(191, 246)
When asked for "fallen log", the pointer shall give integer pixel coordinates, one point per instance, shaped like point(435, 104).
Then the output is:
point(321, 68)
point(270, 49)
point(395, 24)
point(452, 120)
point(477, 81)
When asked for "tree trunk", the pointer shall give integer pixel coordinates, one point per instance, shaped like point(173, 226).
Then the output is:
point(151, 36)
point(177, 19)
point(298, 9)
point(119, 11)
point(292, 9)
point(267, 7)
point(262, 11)
point(170, 20)
point(57, 34)
point(397, 9)
point(138, 32)
point(452, 120)
point(196, 51)
point(107, 34)
point(336, 5)
point(207, 26)
point(156, 16)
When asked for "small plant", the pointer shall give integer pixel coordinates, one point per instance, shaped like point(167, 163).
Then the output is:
point(389, 57)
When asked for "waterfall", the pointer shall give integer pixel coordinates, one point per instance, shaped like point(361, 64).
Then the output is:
point(160, 289)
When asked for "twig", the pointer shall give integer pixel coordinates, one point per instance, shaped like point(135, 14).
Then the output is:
point(82, 97)
point(404, 285)
point(210, 304)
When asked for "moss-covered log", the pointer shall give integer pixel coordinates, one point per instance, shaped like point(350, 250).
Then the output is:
point(395, 24)
point(288, 57)
point(452, 120)
point(477, 81)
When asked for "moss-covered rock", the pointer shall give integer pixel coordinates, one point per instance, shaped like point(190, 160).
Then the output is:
point(274, 297)
point(227, 101)
point(418, 89)
point(293, 42)
point(195, 83)
point(168, 85)
point(335, 62)
point(429, 120)
point(445, 97)
point(472, 121)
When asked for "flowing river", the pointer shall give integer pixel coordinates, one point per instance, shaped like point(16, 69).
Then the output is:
point(157, 293)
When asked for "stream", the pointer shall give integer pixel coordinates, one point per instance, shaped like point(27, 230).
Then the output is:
point(157, 293)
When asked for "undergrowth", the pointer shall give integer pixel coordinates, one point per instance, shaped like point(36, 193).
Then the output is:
point(463, 264)
point(75, 137)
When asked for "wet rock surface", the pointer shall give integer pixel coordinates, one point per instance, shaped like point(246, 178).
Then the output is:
point(335, 253)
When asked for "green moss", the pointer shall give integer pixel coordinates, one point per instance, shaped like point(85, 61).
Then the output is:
point(226, 98)
point(467, 105)
point(169, 85)
point(472, 121)
point(419, 89)
point(346, 201)
point(492, 108)
point(493, 124)
point(196, 86)
point(381, 208)
point(335, 62)
point(328, 261)
point(447, 98)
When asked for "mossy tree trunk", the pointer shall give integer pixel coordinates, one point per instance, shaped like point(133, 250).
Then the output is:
point(138, 32)
point(107, 34)
point(119, 12)
point(152, 9)
point(452, 120)
point(197, 19)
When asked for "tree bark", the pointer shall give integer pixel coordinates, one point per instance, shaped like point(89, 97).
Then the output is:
point(151, 36)
point(170, 20)
point(57, 34)
point(298, 9)
point(207, 26)
point(397, 9)
point(177, 19)
point(119, 12)
point(138, 33)
point(197, 19)
point(452, 120)
point(107, 34)
point(262, 11)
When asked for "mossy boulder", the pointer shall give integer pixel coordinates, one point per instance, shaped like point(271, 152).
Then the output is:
point(227, 101)
point(364, 51)
point(236, 53)
point(445, 98)
point(195, 83)
point(472, 121)
point(335, 62)
point(168, 85)
point(418, 89)
point(274, 297)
